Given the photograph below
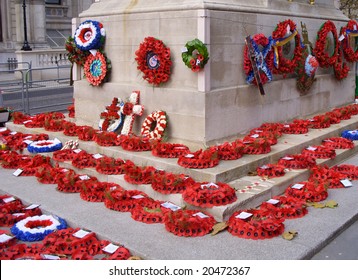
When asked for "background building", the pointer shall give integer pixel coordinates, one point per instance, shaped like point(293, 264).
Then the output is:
point(48, 24)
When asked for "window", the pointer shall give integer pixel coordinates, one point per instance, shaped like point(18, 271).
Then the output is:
point(53, 2)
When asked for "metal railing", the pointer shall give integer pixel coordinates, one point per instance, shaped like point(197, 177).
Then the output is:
point(33, 89)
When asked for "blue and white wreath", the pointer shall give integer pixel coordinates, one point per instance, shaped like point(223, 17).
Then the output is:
point(44, 146)
point(36, 228)
point(350, 134)
point(89, 35)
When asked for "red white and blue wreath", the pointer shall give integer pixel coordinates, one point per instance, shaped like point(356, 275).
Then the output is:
point(44, 146)
point(262, 47)
point(36, 228)
point(90, 35)
point(350, 134)
point(112, 119)
point(348, 32)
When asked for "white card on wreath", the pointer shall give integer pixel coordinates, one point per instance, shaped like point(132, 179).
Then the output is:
point(139, 196)
point(84, 177)
point(170, 206)
point(17, 172)
point(32, 206)
point(346, 183)
point(4, 238)
point(81, 233)
point(201, 215)
point(298, 186)
point(287, 158)
point(110, 248)
point(97, 156)
point(273, 201)
point(50, 257)
point(243, 215)
point(9, 199)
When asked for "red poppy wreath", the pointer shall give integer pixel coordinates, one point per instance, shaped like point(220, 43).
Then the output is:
point(153, 59)
point(350, 31)
point(325, 60)
point(284, 32)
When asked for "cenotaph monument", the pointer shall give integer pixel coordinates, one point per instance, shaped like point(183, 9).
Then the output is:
point(216, 103)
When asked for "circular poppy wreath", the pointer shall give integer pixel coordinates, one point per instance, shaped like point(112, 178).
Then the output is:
point(231, 151)
point(350, 30)
point(271, 170)
point(169, 150)
point(96, 68)
point(279, 35)
point(325, 60)
point(89, 35)
point(188, 223)
point(329, 177)
point(309, 192)
point(338, 143)
point(154, 125)
point(297, 161)
point(195, 55)
point(255, 224)
point(320, 121)
point(263, 58)
point(200, 159)
point(35, 228)
point(209, 194)
point(285, 207)
point(153, 59)
point(319, 152)
point(296, 127)
point(169, 183)
point(351, 171)
point(44, 146)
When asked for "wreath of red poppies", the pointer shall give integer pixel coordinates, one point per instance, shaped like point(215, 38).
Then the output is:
point(271, 170)
point(351, 28)
point(284, 65)
point(153, 59)
point(231, 151)
point(351, 171)
point(319, 152)
point(338, 143)
point(69, 128)
point(255, 224)
point(86, 133)
point(307, 191)
point(134, 143)
point(297, 161)
point(84, 160)
point(152, 213)
point(64, 155)
point(110, 166)
point(341, 68)
point(283, 207)
point(189, 223)
point(138, 175)
point(200, 159)
point(256, 146)
point(325, 60)
point(169, 183)
point(331, 178)
point(169, 150)
point(205, 194)
point(121, 200)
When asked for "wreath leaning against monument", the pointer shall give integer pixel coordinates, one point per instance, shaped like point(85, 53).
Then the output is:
point(195, 55)
point(325, 60)
point(153, 59)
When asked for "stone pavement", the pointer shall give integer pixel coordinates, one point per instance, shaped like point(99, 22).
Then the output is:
point(315, 230)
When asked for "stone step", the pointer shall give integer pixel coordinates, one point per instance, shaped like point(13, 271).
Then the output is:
point(250, 190)
point(226, 171)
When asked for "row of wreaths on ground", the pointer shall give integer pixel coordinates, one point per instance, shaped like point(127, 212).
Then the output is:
point(264, 222)
point(154, 59)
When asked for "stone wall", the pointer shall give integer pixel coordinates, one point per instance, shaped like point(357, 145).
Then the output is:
point(215, 104)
